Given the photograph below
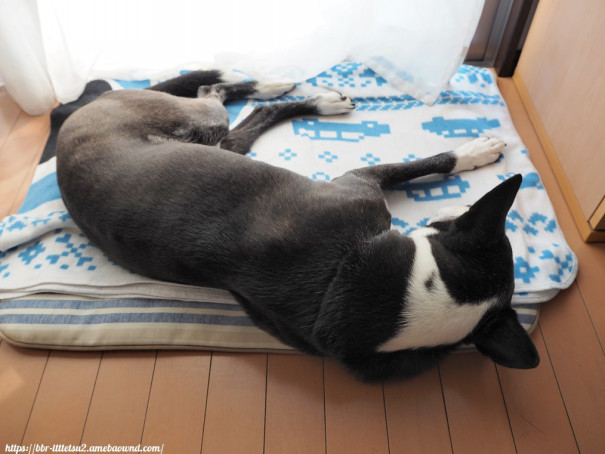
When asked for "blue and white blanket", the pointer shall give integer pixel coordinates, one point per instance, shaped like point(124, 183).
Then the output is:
point(41, 249)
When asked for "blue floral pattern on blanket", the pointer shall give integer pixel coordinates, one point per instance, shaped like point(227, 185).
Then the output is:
point(42, 243)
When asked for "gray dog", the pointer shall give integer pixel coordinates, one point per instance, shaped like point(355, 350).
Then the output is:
point(157, 181)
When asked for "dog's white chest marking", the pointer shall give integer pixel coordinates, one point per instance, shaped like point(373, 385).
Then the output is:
point(432, 316)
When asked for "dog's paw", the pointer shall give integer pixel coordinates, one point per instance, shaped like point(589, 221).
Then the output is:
point(271, 90)
point(477, 153)
point(333, 103)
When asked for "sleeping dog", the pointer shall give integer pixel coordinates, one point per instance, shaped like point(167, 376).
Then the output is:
point(157, 181)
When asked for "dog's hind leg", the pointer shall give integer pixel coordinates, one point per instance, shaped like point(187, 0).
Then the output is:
point(262, 118)
point(476, 153)
point(186, 85)
point(238, 90)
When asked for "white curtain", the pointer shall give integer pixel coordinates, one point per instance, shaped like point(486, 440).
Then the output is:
point(49, 49)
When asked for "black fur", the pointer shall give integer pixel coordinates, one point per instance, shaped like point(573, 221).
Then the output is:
point(313, 263)
point(60, 113)
point(188, 84)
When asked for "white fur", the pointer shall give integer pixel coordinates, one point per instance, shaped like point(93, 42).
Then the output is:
point(333, 103)
point(449, 213)
point(477, 153)
point(234, 77)
point(432, 316)
point(154, 138)
point(271, 90)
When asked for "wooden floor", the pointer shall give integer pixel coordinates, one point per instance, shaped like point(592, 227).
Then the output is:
point(191, 402)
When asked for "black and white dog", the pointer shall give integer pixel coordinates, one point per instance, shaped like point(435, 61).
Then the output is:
point(147, 176)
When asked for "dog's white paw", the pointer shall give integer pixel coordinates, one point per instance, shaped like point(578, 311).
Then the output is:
point(272, 90)
point(333, 103)
point(477, 153)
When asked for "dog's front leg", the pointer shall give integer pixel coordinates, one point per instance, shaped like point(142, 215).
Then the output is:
point(476, 153)
point(262, 118)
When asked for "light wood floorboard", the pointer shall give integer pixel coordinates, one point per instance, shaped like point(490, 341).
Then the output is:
point(295, 398)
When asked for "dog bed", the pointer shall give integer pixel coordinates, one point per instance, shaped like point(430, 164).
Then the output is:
point(59, 291)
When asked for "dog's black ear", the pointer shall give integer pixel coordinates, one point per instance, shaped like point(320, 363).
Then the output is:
point(505, 341)
point(488, 214)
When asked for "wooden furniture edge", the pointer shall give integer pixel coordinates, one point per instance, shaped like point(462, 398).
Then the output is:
point(587, 233)
point(597, 220)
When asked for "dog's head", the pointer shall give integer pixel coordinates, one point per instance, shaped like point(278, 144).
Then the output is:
point(475, 263)
point(446, 284)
